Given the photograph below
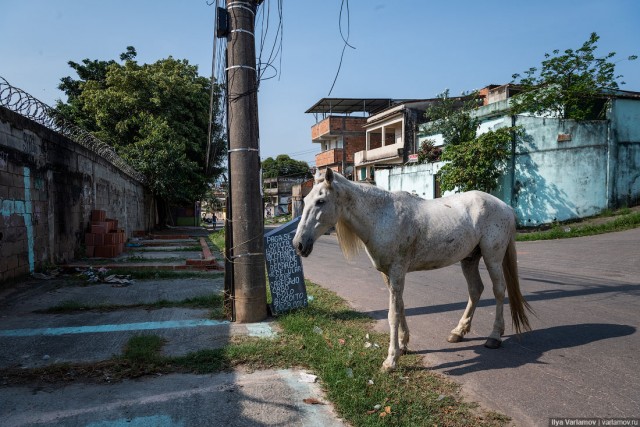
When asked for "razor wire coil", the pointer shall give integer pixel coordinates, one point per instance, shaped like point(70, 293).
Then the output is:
point(23, 103)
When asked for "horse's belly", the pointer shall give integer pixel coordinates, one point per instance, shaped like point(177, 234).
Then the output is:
point(442, 256)
point(432, 265)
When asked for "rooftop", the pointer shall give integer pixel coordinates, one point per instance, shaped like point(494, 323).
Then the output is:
point(351, 105)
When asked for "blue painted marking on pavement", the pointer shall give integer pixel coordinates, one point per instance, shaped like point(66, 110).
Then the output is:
point(152, 421)
point(170, 324)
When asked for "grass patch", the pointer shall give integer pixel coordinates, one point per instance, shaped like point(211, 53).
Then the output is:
point(328, 338)
point(624, 221)
point(144, 349)
point(217, 240)
point(142, 259)
point(144, 274)
point(192, 248)
point(212, 301)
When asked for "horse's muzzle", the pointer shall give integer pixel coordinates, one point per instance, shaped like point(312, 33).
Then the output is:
point(304, 249)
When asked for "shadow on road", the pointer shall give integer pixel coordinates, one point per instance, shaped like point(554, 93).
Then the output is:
point(585, 289)
point(529, 347)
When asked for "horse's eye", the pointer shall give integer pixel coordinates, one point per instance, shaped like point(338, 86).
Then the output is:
point(320, 201)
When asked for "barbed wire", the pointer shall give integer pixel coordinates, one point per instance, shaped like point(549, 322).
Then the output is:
point(21, 102)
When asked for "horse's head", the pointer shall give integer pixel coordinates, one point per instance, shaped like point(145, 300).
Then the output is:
point(319, 215)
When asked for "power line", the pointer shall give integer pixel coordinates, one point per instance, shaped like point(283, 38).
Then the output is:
point(346, 40)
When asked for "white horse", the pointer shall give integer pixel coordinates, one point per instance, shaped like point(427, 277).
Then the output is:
point(403, 233)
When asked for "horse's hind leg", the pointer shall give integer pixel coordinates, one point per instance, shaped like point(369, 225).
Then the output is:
point(497, 277)
point(475, 286)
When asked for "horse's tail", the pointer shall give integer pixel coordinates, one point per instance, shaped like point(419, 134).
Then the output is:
point(518, 305)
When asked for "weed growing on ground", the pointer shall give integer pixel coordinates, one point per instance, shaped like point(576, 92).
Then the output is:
point(142, 274)
point(327, 338)
point(561, 231)
point(212, 301)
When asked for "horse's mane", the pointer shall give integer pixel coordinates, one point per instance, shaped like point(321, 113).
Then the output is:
point(349, 242)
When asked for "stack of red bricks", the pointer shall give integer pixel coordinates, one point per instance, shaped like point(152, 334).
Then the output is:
point(105, 239)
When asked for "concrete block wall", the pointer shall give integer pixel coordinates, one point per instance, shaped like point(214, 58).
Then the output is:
point(48, 187)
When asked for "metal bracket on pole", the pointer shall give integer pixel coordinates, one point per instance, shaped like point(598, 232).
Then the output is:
point(233, 150)
point(248, 67)
point(240, 5)
point(240, 30)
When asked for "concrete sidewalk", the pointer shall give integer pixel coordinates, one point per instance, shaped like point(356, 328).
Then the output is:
point(32, 338)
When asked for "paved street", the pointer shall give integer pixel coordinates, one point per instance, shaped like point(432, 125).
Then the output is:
point(581, 358)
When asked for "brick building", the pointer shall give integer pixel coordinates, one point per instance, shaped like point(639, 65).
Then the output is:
point(341, 134)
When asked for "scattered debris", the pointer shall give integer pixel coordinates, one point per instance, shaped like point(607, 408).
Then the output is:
point(118, 280)
point(349, 372)
point(441, 397)
point(307, 378)
point(387, 411)
point(312, 401)
point(100, 276)
point(370, 382)
point(48, 275)
point(317, 330)
point(367, 344)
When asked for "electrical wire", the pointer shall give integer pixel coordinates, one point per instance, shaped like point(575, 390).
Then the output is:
point(345, 40)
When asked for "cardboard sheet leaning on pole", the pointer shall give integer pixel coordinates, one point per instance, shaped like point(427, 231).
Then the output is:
point(244, 164)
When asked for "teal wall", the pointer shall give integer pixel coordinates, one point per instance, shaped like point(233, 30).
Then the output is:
point(598, 168)
point(557, 181)
point(625, 115)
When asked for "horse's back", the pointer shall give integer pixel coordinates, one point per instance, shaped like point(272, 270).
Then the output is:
point(452, 227)
point(484, 207)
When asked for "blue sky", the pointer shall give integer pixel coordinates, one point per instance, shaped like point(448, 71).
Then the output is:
point(403, 48)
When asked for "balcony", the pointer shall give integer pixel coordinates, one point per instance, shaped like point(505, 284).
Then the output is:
point(392, 153)
point(329, 157)
point(335, 126)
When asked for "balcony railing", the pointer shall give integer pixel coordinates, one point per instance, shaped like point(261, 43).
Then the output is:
point(386, 152)
point(329, 157)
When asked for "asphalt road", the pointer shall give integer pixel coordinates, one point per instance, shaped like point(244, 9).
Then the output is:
point(581, 358)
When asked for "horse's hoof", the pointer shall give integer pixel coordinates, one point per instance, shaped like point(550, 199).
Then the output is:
point(493, 343)
point(388, 367)
point(454, 338)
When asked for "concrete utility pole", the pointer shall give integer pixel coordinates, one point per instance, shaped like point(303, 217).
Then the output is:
point(244, 164)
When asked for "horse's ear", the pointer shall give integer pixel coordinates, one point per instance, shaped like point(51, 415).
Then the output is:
point(328, 176)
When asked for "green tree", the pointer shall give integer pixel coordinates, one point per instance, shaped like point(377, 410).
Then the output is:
point(570, 85)
point(155, 116)
point(452, 118)
point(473, 162)
point(479, 163)
point(283, 165)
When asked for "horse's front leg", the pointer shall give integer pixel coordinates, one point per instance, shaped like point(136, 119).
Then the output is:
point(395, 283)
